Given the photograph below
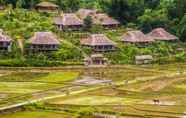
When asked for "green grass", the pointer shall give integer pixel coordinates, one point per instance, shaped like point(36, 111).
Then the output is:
point(95, 100)
point(24, 84)
point(59, 77)
point(33, 82)
point(136, 96)
point(36, 114)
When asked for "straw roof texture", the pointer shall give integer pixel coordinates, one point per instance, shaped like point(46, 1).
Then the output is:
point(44, 38)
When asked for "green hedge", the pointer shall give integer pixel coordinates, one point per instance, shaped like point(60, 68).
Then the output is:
point(35, 63)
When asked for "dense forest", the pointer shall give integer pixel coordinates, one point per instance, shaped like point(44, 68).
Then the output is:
point(20, 20)
point(145, 14)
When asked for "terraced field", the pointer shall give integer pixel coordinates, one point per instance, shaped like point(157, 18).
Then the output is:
point(132, 93)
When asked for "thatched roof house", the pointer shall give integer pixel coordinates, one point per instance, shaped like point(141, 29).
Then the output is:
point(161, 34)
point(5, 41)
point(83, 13)
point(68, 20)
point(105, 20)
point(2, 7)
point(44, 41)
point(99, 42)
point(96, 59)
point(143, 59)
point(98, 18)
point(136, 37)
point(47, 7)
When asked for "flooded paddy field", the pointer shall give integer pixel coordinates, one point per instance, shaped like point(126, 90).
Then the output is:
point(128, 91)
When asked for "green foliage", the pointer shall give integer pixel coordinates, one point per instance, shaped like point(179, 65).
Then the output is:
point(19, 22)
point(85, 113)
point(124, 10)
point(88, 23)
point(145, 15)
point(67, 53)
point(182, 29)
point(152, 19)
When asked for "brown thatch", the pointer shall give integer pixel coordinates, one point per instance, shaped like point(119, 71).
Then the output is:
point(104, 19)
point(161, 34)
point(136, 37)
point(97, 40)
point(44, 38)
point(47, 5)
point(2, 7)
point(68, 19)
point(3, 37)
point(83, 13)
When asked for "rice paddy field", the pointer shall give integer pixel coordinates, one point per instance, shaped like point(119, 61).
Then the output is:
point(135, 92)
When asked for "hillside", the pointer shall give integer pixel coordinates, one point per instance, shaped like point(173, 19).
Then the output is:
point(20, 20)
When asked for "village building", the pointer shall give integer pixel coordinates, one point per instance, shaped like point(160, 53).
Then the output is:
point(143, 59)
point(136, 37)
point(5, 42)
point(83, 13)
point(96, 59)
point(99, 18)
point(68, 21)
point(99, 43)
point(105, 20)
point(47, 7)
point(2, 7)
point(44, 41)
point(162, 35)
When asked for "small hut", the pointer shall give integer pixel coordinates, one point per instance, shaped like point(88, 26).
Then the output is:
point(44, 41)
point(162, 35)
point(105, 20)
point(47, 7)
point(68, 21)
point(143, 59)
point(99, 18)
point(83, 13)
point(2, 7)
point(96, 59)
point(99, 43)
point(136, 37)
point(5, 41)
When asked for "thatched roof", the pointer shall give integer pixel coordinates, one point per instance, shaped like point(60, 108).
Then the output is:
point(83, 13)
point(161, 34)
point(47, 4)
point(3, 37)
point(96, 40)
point(104, 19)
point(98, 18)
point(2, 7)
point(44, 38)
point(68, 19)
point(136, 37)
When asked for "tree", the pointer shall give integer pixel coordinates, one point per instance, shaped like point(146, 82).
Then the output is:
point(152, 19)
point(69, 5)
point(152, 4)
point(181, 29)
point(177, 9)
point(124, 10)
point(88, 23)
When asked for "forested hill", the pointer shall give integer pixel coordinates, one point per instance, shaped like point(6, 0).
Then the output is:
point(20, 19)
point(144, 14)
